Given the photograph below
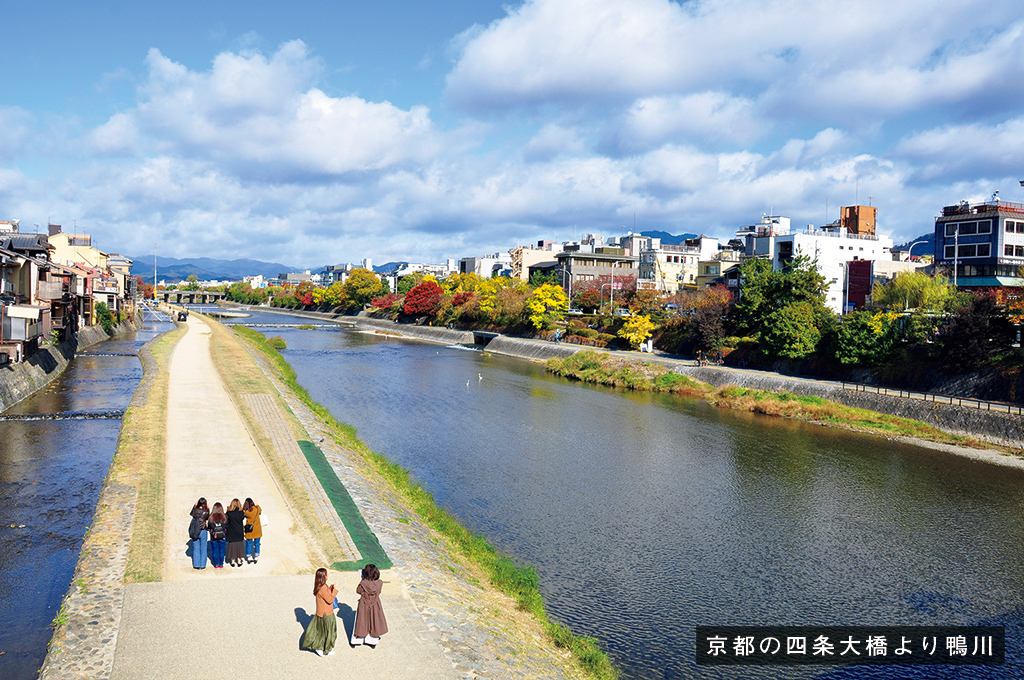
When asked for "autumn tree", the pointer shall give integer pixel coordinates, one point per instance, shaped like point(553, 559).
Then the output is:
point(423, 299)
point(546, 305)
point(974, 332)
point(792, 331)
point(637, 329)
point(707, 310)
point(361, 286)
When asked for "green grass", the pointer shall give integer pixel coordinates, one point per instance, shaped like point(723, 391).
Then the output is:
point(518, 582)
point(604, 369)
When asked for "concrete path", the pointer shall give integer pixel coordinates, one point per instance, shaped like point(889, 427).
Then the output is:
point(246, 621)
point(210, 454)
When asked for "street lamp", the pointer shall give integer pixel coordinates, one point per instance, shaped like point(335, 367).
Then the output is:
point(910, 250)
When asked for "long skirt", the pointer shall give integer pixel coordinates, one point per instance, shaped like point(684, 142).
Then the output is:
point(321, 633)
point(236, 551)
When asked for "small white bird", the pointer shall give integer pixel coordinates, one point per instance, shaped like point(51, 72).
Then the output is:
point(467, 383)
point(479, 377)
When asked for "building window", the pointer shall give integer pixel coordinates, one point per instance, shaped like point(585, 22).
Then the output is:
point(984, 250)
point(1010, 225)
point(1008, 251)
point(1020, 251)
point(984, 226)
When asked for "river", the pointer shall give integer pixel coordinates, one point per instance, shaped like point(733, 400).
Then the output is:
point(51, 473)
point(647, 515)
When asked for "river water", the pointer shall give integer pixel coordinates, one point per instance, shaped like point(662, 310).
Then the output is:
point(647, 515)
point(51, 473)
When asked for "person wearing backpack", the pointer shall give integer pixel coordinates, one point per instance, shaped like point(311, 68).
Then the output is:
point(218, 526)
point(199, 533)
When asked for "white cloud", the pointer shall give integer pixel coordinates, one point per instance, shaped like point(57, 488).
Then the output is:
point(960, 151)
point(706, 117)
point(843, 59)
point(262, 116)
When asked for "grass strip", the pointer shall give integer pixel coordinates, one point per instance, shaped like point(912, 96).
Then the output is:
point(241, 376)
point(141, 457)
point(603, 369)
point(365, 540)
point(519, 582)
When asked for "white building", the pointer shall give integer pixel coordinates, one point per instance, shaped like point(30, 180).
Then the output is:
point(830, 247)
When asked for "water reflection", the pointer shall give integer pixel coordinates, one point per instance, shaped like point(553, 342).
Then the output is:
point(51, 472)
point(647, 515)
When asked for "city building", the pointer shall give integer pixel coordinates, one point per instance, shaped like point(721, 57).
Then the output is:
point(850, 239)
point(671, 267)
point(981, 245)
point(525, 257)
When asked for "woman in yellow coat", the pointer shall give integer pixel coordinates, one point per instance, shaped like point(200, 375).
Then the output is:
point(253, 530)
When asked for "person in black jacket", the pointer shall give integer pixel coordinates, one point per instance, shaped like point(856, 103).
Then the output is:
point(199, 545)
point(236, 534)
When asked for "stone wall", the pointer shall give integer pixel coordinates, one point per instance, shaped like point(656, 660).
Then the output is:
point(18, 381)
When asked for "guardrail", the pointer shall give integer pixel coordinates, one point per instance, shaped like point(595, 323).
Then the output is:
point(997, 406)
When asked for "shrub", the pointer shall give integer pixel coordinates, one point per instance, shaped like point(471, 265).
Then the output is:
point(277, 342)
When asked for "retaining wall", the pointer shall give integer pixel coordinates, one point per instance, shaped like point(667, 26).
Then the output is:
point(20, 380)
point(526, 349)
point(1000, 428)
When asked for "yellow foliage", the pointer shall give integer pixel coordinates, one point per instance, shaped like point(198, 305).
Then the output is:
point(636, 330)
point(548, 302)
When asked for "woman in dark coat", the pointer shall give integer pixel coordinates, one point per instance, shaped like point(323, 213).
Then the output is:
point(199, 545)
point(236, 533)
point(370, 621)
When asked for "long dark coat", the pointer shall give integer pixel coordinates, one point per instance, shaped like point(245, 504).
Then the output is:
point(369, 613)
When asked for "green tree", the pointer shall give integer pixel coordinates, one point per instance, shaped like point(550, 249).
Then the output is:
point(792, 331)
point(974, 332)
point(105, 317)
point(192, 282)
point(546, 305)
point(408, 282)
point(914, 290)
point(866, 338)
point(764, 290)
point(538, 279)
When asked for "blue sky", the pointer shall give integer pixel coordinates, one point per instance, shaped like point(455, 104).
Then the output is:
point(325, 133)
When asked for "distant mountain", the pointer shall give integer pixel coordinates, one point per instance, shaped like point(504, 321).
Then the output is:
point(668, 239)
point(926, 248)
point(205, 268)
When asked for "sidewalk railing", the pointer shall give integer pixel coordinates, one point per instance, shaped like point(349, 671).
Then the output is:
point(997, 406)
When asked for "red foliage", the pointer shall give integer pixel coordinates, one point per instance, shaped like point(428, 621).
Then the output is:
point(307, 298)
point(386, 301)
point(462, 298)
point(423, 299)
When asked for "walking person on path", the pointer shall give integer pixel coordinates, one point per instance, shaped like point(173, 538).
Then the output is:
point(370, 622)
point(218, 525)
point(200, 546)
point(236, 533)
point(322, 631)
point(253, 530)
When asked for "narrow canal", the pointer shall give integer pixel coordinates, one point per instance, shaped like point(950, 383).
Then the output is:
point(647, 515)
point(55, 449)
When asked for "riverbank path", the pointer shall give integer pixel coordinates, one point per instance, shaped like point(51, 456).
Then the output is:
point(246, 621)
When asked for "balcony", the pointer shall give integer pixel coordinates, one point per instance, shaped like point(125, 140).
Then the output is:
point(50, 290)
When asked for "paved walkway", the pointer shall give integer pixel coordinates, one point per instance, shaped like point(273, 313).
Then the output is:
point(246, 621)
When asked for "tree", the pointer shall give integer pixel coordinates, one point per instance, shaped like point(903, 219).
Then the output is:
point(546, 305)
point(105, 317)
point(334, 296)
point(974, 332)
point(791, 331)
point(538, 279)
point(636, 330)
point(913, 290)
point(645, 301)
point(863, 337)
point(407, 283)
point(361, 287)
point(707, 309)
point(192, 282)
point(764, 290)
point(423, 299)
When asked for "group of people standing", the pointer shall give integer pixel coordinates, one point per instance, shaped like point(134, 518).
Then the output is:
point(233, 535)
point(322, 632)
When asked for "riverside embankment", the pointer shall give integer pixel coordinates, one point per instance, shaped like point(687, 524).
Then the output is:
point(18, 381)
point(654, 513)
point(991, 425)
point(444, 622)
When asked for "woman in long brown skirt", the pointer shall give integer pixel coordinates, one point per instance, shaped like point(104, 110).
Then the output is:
point(370, 622)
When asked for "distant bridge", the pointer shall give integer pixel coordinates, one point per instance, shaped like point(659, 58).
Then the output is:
point(190, 297)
